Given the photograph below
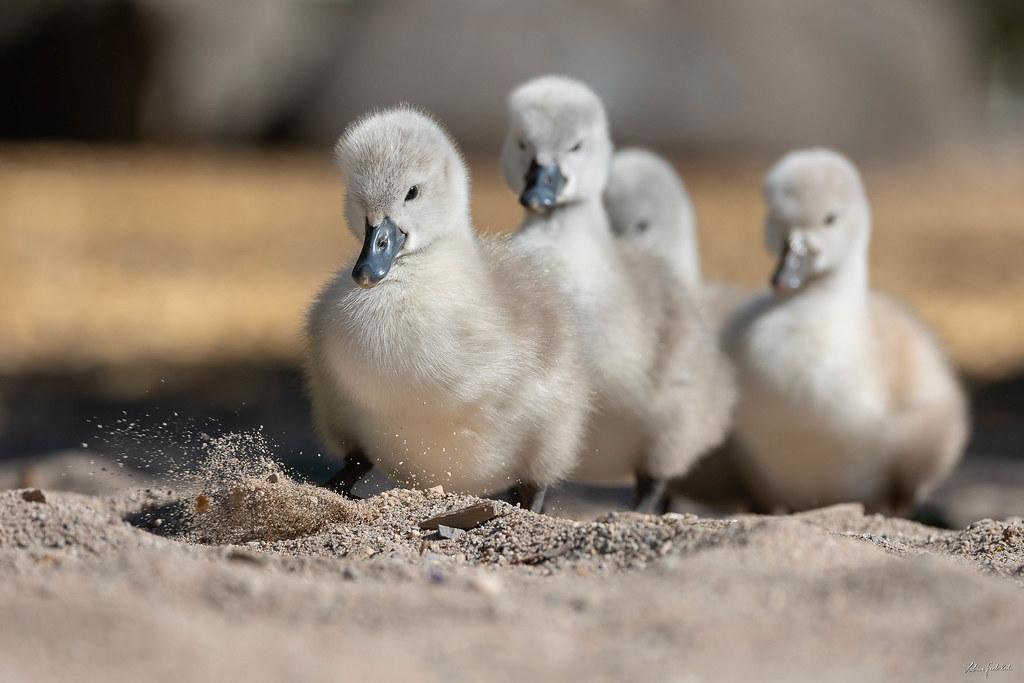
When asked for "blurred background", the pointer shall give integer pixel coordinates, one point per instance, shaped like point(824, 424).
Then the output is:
point(168, 205)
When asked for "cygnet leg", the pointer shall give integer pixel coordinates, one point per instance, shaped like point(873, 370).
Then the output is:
point(651, 496)
point(530, 496)
point(900, 498)
point(356, 466)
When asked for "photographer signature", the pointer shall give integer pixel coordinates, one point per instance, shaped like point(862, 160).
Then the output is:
point(990, 667)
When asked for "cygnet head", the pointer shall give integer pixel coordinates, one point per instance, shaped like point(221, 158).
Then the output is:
point(646, 200)
point(407, 188)
point(818, 219)
point(558, 148)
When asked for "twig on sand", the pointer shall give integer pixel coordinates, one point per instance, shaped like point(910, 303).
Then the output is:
point(466, 518)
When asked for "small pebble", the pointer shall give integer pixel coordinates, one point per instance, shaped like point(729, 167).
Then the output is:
point(449, 532)
point(488, 584)
point(248, 556)
point(33, 496)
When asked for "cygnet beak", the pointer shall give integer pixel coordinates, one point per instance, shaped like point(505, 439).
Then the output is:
point(543, 183)
point(380, 247)
point(796, 265)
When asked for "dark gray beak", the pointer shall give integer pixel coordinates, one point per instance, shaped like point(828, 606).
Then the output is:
point(795, 268)
point(380, 247)
point(543, 183)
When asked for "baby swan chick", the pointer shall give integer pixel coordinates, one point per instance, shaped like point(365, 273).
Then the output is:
point(662, 397)
point(844, 396)
point(439, 356)
point(648, 203)
point(649, 207)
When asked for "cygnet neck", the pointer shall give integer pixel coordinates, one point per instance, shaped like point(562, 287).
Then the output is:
point(849, 280)
point(580, 216)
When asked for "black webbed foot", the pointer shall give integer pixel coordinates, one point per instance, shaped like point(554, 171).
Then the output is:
point(355, 467)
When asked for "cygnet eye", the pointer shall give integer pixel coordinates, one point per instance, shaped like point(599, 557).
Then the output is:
point(522, 145)
point(642, 225)
point(413, 193)
point(577, 147)
point(830, 218)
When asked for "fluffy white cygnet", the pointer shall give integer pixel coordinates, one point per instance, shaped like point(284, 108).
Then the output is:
point(663, 393)
point(649, 207)
point(441, 357)
point(844, 396)
point(648, 203)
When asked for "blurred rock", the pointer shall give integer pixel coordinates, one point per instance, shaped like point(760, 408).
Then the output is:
point(862, 75)
point(982, 488)
point(236, 69)
point(74, 69)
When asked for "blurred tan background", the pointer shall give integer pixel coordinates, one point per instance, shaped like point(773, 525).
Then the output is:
point(168, 205)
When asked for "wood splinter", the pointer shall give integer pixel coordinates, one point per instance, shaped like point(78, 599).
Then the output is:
point(466, 518)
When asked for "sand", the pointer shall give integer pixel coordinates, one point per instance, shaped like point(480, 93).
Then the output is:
point(94, 588)
point(184, 263)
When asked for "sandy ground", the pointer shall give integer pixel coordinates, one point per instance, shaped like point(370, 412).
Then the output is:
point(247, 575)
point(115, 260)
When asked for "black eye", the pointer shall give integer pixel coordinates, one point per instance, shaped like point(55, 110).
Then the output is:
point(577, 147)
point(522, 145)
point(642, 225)
point(830, 218)
point(413, 193)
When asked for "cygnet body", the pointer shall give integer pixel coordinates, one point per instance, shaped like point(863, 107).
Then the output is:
point(844, 396)
point(439, 356)
point(650, 209)
point(661, 400)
